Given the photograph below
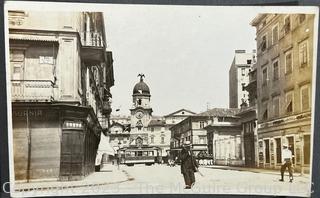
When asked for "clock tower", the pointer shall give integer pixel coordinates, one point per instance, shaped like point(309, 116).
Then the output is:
point(141, 113)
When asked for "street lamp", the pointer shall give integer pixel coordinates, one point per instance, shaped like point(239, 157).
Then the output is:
point(119, 146)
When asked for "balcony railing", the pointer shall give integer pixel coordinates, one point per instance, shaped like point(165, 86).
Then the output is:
point(32, 90)
point(92, 39)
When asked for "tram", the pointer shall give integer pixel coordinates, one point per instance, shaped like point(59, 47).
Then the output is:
point(140, 155)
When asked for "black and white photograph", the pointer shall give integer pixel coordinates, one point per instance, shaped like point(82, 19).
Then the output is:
point(108, 99)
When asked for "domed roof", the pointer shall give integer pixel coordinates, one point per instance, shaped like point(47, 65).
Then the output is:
point(141, 88)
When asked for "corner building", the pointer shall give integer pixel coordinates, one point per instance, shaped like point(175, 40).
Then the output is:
point(61, 74)
point(284, 84)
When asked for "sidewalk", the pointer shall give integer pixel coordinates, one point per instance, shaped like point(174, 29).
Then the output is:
point(254, 170)
point(94, 179)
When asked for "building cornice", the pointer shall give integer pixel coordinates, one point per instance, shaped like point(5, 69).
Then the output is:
point(284, 119)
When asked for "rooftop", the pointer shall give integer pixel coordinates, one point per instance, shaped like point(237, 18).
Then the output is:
point(180, 110)
point(156, 122)
point(220, 112)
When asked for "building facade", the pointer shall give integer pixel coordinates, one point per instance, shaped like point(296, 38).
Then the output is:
point(225, 143)
point(249, 134)
point(61, 76)
point(190, 129)
point(238, 77)
point(248, 120)
point(284, 70)
point(171, 120)
point(159, 136)
point(119, 135)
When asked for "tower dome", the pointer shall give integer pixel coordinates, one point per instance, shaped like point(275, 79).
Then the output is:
point(141, 88)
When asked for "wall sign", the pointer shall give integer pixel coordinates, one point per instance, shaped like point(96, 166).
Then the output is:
point(24, 113)
point(73, 124)
point(46, 60)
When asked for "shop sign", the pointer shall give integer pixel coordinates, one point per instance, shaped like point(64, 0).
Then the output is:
point(73, 124)
point(30, 113)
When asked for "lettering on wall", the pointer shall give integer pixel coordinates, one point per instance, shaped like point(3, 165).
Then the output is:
point(24, 113)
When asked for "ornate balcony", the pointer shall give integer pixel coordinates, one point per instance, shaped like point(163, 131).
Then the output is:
point(92, 39)
point(32, 90)
point(92, 46)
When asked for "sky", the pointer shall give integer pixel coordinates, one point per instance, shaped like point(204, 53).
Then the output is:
point(185, 53)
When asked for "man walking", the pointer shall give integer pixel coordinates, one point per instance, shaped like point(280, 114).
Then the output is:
point(286, 162)
point(188, 165)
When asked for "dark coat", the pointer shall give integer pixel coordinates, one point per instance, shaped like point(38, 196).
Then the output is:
point(188, 161)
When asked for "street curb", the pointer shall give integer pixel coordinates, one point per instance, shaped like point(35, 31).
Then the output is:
point(129, 178)
point(255, 171)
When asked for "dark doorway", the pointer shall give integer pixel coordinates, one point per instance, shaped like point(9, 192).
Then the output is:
point(249, 151)
point(267, 151)
point(278, 150)
point(306, 149)
point(71, 155)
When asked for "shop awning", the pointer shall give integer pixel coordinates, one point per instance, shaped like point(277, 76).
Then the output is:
point(105, 146)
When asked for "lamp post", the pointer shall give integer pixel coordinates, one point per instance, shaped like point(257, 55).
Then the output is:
point(119, 146)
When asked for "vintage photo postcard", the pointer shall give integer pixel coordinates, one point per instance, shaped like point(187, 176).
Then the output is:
point(160, 99)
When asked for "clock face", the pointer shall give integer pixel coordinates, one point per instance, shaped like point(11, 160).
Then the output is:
point(139, 114)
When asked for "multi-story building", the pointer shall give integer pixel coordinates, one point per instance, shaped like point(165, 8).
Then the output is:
point(284, 76)
point(61, 76)
point(248, 120)
point(238, 77)
point(115, 138)
point(171, 120)
point(119, 132)
point(225, 144)
point(192, 129)
point(119, 135)
point(160, 134)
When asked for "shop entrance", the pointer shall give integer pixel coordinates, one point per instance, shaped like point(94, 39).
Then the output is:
point(71, 155)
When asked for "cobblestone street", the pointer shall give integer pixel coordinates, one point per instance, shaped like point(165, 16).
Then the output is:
point(162, 179)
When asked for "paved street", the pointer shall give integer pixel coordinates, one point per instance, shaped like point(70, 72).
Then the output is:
point(159, 179)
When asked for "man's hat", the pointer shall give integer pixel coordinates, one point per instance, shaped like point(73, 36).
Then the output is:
point(285, 145)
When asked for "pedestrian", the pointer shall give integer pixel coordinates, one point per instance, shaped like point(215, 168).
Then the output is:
point(188, 165)
point(286, 162)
